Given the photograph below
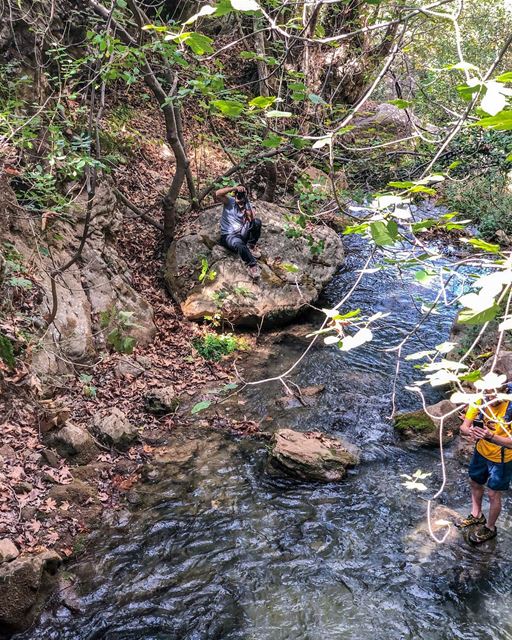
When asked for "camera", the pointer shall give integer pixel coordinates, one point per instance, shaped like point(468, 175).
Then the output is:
point(240, 195)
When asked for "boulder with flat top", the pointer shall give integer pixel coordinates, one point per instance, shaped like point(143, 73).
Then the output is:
point(206, 279)
point(312, 455)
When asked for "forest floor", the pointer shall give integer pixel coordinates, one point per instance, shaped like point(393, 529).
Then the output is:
point(45, 502)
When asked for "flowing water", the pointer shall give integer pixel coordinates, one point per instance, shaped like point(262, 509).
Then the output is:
point(222, 547)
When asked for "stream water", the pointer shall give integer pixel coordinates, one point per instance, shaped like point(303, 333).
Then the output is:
point(223, 548)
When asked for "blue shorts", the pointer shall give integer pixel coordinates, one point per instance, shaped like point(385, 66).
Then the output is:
point(497, 475)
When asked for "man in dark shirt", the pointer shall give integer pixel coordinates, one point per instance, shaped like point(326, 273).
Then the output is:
point(239, 229)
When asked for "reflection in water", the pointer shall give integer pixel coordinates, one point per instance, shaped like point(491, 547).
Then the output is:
point(224, 549)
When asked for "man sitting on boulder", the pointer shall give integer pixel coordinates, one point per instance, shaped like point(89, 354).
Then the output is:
point(239, 229)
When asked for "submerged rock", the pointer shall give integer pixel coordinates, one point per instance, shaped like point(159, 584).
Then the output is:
point(291, 274)
point(422, 429)
point(114, 428)
point(312, 455)
point(25, 584)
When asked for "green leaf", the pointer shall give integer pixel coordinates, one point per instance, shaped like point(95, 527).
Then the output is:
point(466, 91)
point(382, 234)
point(467, 316)
point(278, 114)
point(485, 246)
point(401, 104)
point(230, 108)
point(502, 121)
point(357, 229)
point(272, 140)
point(419, 188)
point(222, 8)
point(401, 184)
point(423, 276)
point(316, 99)
point(262, 102)
point(505, 77)
point(201, 406)
point(349, 314)
point(472, 376)
point(231, 386)
point(423, 225)
point(198, 42)
point(23, 283)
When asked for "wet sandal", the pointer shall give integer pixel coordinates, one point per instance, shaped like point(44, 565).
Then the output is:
point(482, 535)
point(470, 521)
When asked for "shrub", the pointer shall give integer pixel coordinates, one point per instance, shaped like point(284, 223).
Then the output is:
point(213, 346)
point(486, 200)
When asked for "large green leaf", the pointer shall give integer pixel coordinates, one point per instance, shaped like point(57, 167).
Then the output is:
point(505, 77)
point(222, 8)
point(231, 108)
point(485, 246)
point(262, 102)
point(401, 104)
point(467, 316)
point(384, 234)
point(500, 122)
point(198, 42)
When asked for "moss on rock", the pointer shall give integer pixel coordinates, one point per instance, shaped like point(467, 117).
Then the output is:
point(415, 421)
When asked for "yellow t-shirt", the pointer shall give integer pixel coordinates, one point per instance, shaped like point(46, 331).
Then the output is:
point(493, 420)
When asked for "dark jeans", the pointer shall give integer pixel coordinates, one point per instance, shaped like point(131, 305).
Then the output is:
point(238, 242)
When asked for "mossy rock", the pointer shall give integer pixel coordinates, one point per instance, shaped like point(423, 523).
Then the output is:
point(415, 422)
point(422, 430)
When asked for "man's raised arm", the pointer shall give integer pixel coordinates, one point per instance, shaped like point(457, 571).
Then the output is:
point(221, 195)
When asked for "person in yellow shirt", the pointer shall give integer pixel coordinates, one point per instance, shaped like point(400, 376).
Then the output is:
point(486, 424)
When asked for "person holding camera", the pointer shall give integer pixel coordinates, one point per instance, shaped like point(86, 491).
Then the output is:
point(488, 425)
point(239, 229)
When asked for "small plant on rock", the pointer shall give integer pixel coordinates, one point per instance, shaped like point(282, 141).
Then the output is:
point(214, 346)
point(122, 322)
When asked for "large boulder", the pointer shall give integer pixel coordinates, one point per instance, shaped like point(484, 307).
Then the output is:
point(503, 364)
point(312, 455)
point(94, 296)
point(421, 428)
point(25, 584)
point(291, 274)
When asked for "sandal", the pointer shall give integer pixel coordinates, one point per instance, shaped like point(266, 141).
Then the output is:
point(482, 535)
point(470, 521)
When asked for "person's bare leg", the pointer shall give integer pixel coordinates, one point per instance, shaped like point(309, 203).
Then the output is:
point(494, 507)
point(477, 494)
